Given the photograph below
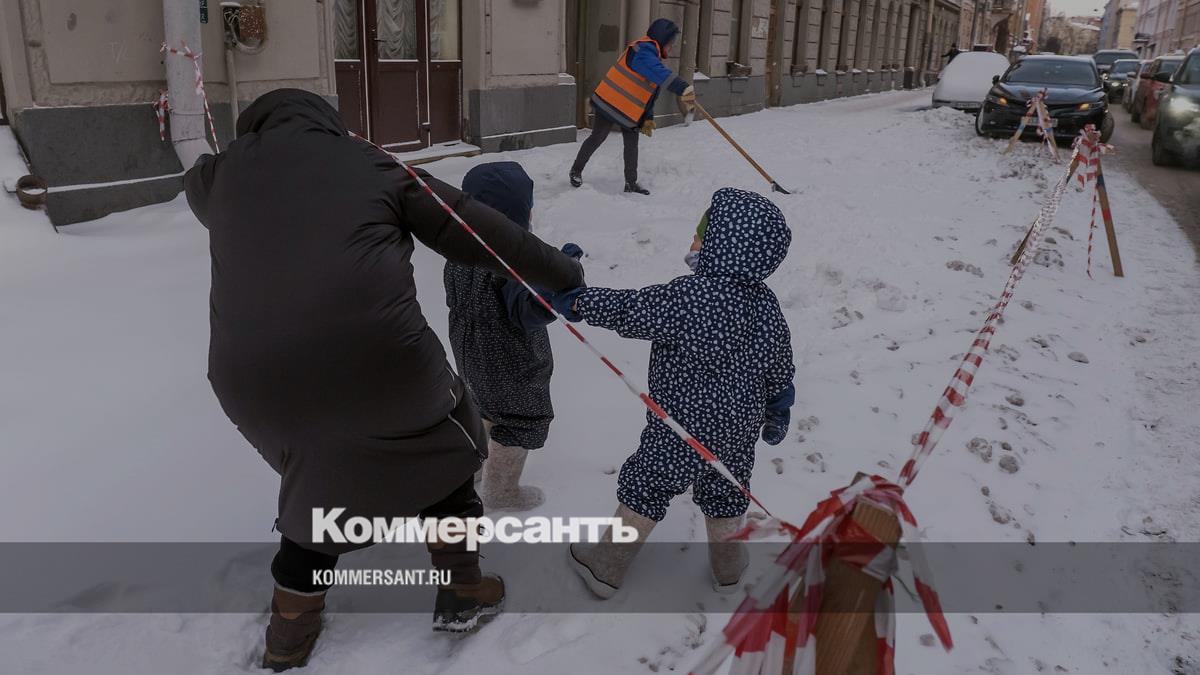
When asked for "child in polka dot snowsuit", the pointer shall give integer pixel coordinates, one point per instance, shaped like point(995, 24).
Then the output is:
point(720, 364)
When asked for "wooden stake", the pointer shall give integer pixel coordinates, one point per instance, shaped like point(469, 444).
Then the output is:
point(846, 639)
point(1106, 212)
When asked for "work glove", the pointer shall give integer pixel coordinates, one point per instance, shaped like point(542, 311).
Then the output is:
point(648, 128)
point(572, 250)
point(778, 415)
point(689, 95)
point(564, 303)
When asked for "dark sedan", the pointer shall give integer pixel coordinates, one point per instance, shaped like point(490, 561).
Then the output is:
point(1177, 128)
point(1074, 97)
point(1118, 78)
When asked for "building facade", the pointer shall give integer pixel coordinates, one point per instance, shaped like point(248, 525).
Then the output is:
point(1155, 28)
point(1075, 35)
point(80, 78)
point(1188, 31)
point(1117, 26)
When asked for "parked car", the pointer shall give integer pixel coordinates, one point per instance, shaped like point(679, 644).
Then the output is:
point(1074, 97)
point(966, 80)
point(1105, 58)
point(1117, 78)
point(1134, 82)
point(1145, 99)
point(1177, 132)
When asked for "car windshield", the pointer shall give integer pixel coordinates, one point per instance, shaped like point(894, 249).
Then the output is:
point(1168, 66)
point(1190, 72)
point(1106, 59)
point(1124, 66)
point(1054, 72)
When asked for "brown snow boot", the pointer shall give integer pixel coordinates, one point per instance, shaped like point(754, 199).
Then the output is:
point(463, 608)
point(602, 565)
point(471, 598)
point(727, 559)
point(501, 489)
point(293, 629)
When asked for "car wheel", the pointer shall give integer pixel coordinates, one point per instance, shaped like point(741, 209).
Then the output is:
point(1135, 115)
point(979, 124)
point(1146, 121)
point(1159, 154)
point(1106, 127)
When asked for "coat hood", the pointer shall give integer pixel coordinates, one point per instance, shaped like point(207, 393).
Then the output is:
point(747, 236)
point(294, 108)
point(662, 31)
point(504, 186)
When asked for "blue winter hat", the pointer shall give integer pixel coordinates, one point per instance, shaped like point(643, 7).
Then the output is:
point(504, 186)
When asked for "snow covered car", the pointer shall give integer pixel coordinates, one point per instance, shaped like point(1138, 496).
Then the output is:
point(1177, 131)
point(1074, 97)
point(966, 79)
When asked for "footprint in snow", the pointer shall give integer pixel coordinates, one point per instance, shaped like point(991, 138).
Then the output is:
point(960, 266)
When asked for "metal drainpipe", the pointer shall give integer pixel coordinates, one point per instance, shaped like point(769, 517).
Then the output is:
point(181, 24)
point(928, 42)
point(231, 75)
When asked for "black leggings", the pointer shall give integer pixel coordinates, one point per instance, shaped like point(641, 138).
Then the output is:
point(601, 126)
point(294, 565)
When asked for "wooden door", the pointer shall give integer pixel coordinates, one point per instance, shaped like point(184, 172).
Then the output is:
point(399, 70)
point(350, 64)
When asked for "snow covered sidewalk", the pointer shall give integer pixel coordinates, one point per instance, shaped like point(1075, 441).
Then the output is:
point(1081, 425)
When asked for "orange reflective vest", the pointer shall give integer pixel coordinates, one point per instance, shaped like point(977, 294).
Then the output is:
point(623, 94)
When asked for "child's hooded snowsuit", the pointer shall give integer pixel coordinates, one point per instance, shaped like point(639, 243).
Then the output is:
point(497, 329)
point(721, 350)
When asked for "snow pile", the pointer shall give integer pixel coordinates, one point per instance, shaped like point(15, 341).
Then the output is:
point(1078, 427)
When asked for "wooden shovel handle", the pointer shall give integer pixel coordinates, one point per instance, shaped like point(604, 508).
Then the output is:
point(732, 142)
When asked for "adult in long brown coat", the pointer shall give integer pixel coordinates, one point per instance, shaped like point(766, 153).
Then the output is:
point(320, 354)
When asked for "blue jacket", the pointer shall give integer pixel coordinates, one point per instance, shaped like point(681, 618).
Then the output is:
point(646, 61)
point(721, 348)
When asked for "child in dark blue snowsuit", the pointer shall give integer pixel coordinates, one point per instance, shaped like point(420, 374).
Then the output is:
point(720, 364)
point(498, 335)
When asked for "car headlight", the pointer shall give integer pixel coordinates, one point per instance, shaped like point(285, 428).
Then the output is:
point(1085, 106)
point(1179, 105)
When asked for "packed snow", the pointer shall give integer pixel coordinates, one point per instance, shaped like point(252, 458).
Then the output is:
point(1081, 425)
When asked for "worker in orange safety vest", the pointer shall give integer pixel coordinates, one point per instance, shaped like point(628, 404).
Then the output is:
point(625, 98)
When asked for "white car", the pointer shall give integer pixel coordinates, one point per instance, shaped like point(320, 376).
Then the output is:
point(966, 80)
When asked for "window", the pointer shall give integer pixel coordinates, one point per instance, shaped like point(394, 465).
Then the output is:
point(345, 30)
point(704, 38)
point(443, 30)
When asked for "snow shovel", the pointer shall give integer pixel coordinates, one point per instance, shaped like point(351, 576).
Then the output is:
point(774, 186)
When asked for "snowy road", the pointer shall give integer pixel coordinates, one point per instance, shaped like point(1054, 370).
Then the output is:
point(903, 224)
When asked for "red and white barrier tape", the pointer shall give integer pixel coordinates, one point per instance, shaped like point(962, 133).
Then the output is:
point(955, 394)
point(760, 637)
point(645, 398)
point(758, 634)
point(194, 57)
point(1090, 150)
point(1035, 109)
point(161, 107)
